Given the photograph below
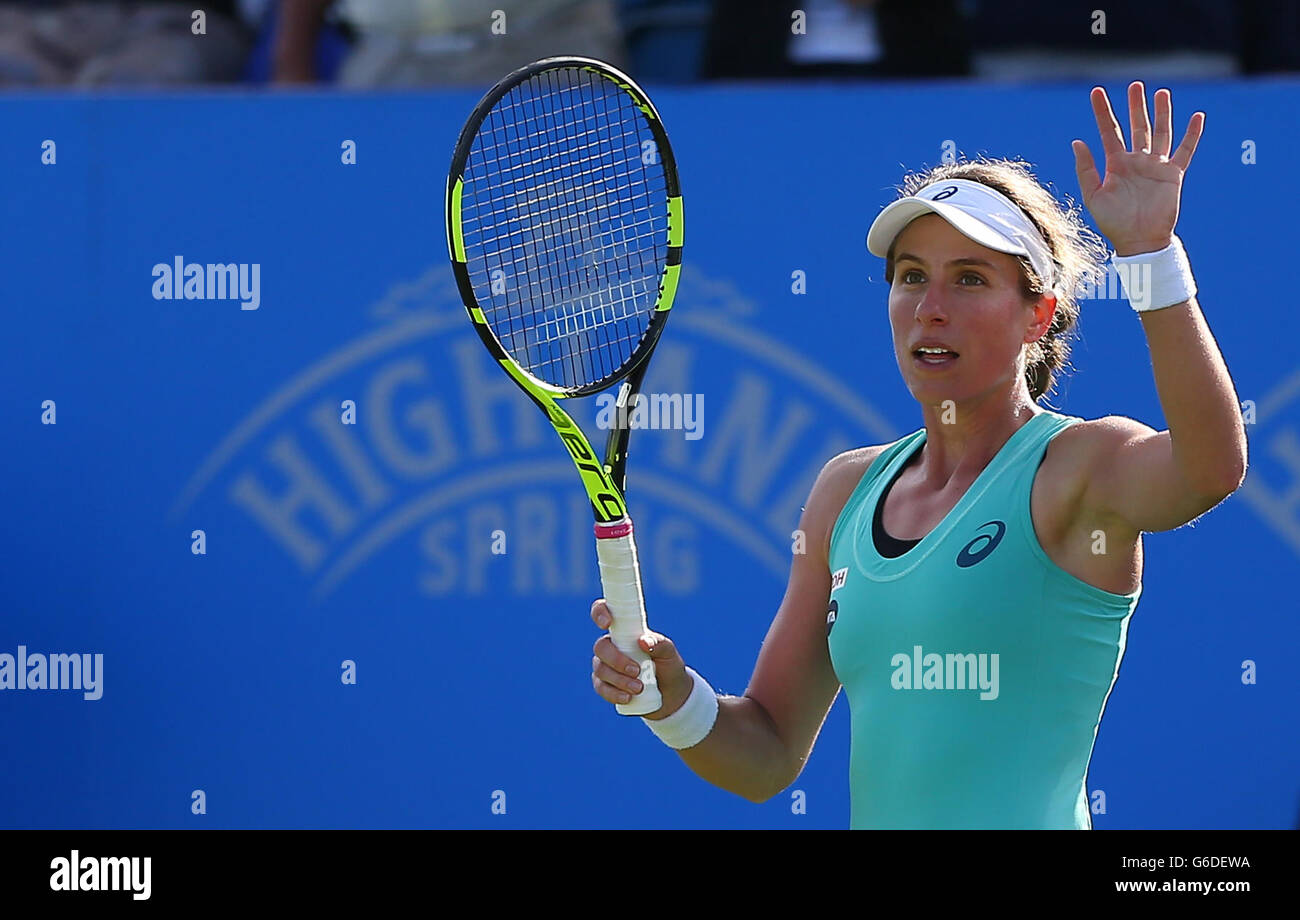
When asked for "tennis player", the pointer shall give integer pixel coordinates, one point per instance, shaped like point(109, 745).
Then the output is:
point(971, 585)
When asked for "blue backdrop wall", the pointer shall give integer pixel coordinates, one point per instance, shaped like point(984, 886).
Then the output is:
point(372, 543)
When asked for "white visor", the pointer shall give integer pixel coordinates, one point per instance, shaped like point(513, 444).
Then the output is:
point(975, 210)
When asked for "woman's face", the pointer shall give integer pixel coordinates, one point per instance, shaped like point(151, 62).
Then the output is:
point(969, 298)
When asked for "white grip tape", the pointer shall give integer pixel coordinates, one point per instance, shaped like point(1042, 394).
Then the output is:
point(620, 577)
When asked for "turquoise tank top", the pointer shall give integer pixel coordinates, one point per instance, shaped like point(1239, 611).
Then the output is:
point(976, 669)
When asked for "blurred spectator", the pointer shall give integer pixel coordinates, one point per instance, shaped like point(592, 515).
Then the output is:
point(1155, 39)
point(405, 43)
point(333, 43)
point(849, 38)
point(665, 38)
point(120, 42)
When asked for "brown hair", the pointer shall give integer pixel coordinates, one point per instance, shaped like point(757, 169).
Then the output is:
point(1079, 253)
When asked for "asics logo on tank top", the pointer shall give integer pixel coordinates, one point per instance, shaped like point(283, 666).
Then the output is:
point(971, 554)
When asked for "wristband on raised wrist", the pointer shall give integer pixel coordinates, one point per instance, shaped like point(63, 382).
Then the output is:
point(1155, 280)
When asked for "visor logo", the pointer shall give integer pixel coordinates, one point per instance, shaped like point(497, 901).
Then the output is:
point(945, 193)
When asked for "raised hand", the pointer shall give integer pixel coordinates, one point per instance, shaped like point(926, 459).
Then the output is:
point(1136, 204)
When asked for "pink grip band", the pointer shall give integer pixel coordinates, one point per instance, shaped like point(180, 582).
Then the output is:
point(613, 531)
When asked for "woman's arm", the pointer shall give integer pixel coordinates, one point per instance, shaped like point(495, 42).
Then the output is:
point(1152, 480)
point(762, 740)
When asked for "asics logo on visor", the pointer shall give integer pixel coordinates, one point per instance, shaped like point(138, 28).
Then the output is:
point(945, 193)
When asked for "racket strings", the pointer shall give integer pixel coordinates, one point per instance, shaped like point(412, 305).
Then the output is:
point(565, 226)
point(576, 314)
point(504, 239)
point(495, 217)
point(578, 362)
point(530, 169)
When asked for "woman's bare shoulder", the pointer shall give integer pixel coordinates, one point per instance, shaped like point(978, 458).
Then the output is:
point(845, 470)
point(836, 482)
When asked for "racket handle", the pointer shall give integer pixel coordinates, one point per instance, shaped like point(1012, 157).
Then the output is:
point(621, 578)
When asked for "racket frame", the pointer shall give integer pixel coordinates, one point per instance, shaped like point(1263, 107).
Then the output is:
point(604, 479)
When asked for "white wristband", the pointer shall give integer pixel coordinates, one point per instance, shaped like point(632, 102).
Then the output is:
point(1155, 280)
point(688, 726)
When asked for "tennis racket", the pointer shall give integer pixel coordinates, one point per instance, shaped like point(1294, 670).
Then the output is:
point(564, 224)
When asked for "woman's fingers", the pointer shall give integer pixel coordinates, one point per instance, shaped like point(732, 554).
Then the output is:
point(1138, 119)
point(612, 673)
point(1164, 127)
point(608, 653)
point(1183, 155)
point(608, 692)
point(1085, 169)
point(1112, 138)
point(619, 681)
